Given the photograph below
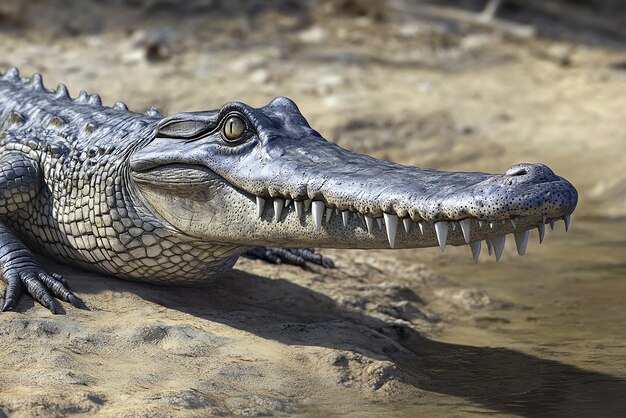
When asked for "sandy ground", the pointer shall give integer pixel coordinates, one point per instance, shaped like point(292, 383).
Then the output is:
point(366, 338)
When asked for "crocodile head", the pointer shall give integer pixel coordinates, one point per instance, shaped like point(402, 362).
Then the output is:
point(264, 177)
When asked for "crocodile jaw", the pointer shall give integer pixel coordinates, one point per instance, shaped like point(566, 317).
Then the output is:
point(209, 207)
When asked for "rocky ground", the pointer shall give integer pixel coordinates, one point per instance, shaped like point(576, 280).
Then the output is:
point(373, 336)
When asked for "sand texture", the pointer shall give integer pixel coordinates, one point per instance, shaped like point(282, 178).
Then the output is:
point(388, 332)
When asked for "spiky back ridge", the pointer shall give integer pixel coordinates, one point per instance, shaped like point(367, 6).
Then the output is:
point(56, 123)
point(36, 84)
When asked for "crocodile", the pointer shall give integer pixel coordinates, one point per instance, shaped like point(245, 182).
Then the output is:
point(178, 199)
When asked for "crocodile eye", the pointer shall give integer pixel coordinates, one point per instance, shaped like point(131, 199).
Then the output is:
point(234, 128)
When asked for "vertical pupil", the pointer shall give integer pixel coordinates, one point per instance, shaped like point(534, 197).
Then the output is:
point(234, 128)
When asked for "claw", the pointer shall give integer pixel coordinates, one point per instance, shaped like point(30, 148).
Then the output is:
point(12, 294)
point(328, 263)
point(53, 307)
point(77, 303)
point(44, 287)
point(8, 304)
point(55, 284)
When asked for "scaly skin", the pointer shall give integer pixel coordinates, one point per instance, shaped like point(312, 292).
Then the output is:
point(177, 200)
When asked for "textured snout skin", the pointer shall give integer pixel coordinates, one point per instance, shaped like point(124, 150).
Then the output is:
point(525, 190)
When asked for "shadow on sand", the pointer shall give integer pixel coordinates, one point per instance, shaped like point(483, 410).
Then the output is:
point(497, 378)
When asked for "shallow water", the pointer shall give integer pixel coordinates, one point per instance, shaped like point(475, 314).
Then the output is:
point(557, 328)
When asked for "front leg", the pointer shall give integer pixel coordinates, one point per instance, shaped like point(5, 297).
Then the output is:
point(20, 179)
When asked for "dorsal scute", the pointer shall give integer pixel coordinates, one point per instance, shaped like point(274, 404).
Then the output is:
point(62, 92)
point(153, 112)
point(12, 74)
point(14, 118)
point(95, 100)
point(83, 97)
point(89, 128)
point(57, 122)
point(36, 82)
point(120, 106)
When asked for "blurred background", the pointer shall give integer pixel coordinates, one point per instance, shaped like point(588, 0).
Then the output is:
point(470, 85)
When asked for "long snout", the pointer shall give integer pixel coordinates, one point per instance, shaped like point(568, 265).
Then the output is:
point(331, 197)
point(358, 183)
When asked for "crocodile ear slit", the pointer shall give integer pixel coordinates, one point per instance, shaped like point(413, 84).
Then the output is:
point(181, 129)
point(184, 126)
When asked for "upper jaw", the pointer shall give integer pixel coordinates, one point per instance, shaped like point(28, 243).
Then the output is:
point(479, 207)
point(431, 195)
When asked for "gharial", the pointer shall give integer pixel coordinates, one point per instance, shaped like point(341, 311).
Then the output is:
point(178, 199)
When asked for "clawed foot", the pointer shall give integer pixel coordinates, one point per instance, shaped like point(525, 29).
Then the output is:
point(42, 286)
point(303, 257)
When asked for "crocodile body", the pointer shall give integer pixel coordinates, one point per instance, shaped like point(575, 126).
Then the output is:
point(177, 200)
point(83, 210)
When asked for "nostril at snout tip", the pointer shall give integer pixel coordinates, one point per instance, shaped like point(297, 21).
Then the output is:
point(534, 172)
point(517, 170)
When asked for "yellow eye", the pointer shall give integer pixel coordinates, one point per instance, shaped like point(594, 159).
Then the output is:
point(234, 128)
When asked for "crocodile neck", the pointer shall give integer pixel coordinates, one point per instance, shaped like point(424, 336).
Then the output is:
point(83, 151)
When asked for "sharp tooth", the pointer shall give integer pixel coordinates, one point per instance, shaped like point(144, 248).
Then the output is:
point(307, 205)
point(489, 246)
point(498, 246)
point(287, 202)
point(513, 223)
point(260, 205)
point(552, 224)
point(391, 223)
point(370, 223)
point(567, 219)
point(545, 217)
point(421, 226)
point(542, 232)
point(407, 224)
point(379, 221)
point(344, 217)
point(492, 224)
point(466, 227)
point(480, 224)
point(441, 228)
point(318, 210)
point(337, 211)
point(453, 225)
point(299, 208)
point(278, 208)
point(521, 240)
point(475, 246)
point(329, 214)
